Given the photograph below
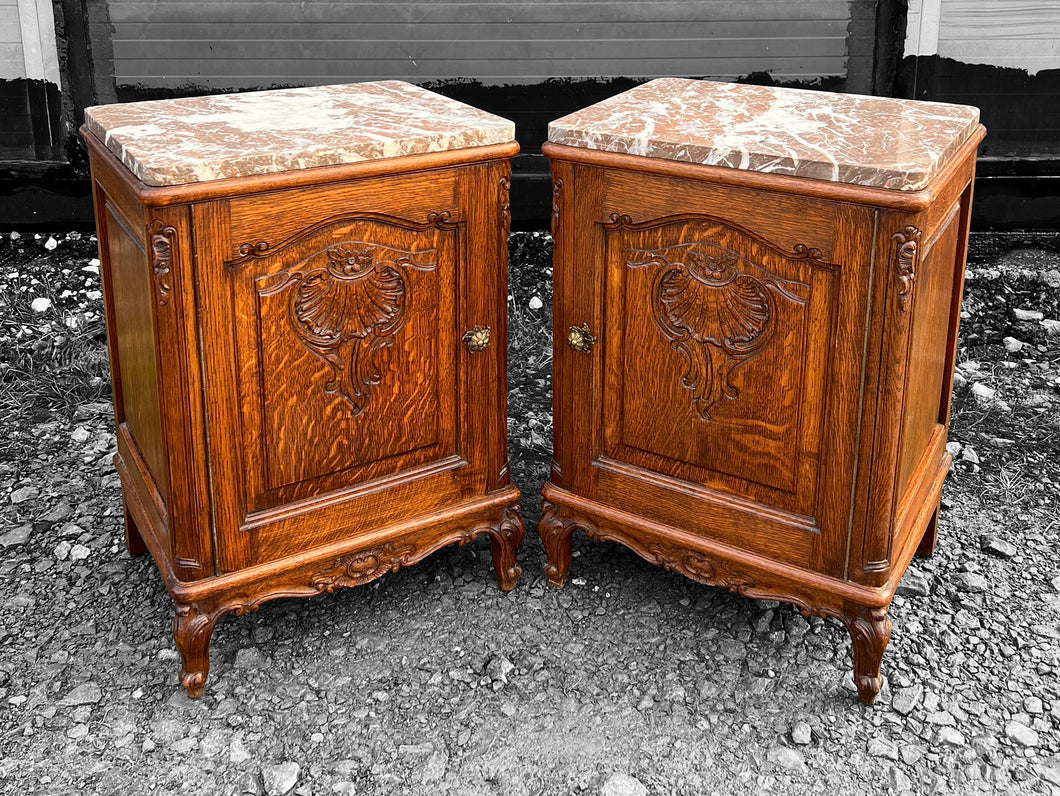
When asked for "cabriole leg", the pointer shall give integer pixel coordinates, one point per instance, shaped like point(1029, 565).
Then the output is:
point(555, 536)
point(870, 630)
point(192, 629)
point(505, 541)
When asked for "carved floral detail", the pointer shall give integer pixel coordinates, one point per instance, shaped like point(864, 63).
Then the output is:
point(906, 263)
point(361, 567)
point(700, 567)
point(347, 303)
point(162, 240)
point(715, 307)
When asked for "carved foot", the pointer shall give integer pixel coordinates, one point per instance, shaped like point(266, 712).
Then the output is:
point(192, 629)
point(555, 535)
point(926, 549)
point(870, 630)
point(505, 540)
point(134, 542)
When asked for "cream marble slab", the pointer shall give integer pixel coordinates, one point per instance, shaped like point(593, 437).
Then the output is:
point(172, 142)
point(872, 141)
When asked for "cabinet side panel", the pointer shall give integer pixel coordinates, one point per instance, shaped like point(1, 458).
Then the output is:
point(131, 286)
point(927, 348)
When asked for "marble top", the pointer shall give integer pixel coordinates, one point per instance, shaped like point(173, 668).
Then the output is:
point(177, 141)
point(872, 141)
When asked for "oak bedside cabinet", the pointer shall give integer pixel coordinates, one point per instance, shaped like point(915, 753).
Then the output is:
point(757, 293)
point(305, 295)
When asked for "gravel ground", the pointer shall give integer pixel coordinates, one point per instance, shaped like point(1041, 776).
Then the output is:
point(628, 681)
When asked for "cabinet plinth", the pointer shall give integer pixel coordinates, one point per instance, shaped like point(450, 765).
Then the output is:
point(297, 407)
point(764, 403)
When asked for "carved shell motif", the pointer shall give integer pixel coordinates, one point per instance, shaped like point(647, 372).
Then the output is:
point(712, 310)
point(347, 311)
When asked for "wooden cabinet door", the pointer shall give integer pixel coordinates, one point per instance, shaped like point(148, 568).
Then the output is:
point(724, 384)
point(335, 362)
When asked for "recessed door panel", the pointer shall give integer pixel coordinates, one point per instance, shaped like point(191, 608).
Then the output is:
point(722, 395)
point(345, 339)
point(722, 341)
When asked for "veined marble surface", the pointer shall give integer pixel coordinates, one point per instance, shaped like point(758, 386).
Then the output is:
point(172, 142)
point(872, 141)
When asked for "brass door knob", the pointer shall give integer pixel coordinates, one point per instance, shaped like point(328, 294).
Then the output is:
point(477, 339)
point(581, 339)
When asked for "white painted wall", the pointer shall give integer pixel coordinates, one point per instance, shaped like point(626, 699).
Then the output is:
point(27, 41)
point(1011, 33)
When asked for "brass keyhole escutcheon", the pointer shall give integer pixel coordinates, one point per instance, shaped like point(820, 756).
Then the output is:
point(581, 339)
point(477, 339)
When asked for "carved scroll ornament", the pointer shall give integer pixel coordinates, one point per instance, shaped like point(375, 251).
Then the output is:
point(162, 240)
point(906, 263)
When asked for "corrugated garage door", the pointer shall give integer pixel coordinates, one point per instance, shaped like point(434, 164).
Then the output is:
point(223, 45)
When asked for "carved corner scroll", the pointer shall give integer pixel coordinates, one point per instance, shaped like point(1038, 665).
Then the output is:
point(716, 307)
point(248, 250)
point(163, 241)
point(505, 185)
point(906, 262)
point(557, 197)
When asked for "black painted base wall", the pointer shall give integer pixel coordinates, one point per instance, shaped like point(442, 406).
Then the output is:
point(1018, 174)
point(1012, 191)
point(30, 125)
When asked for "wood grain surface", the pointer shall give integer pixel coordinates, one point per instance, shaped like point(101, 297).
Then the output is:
point(297, 409)
point(765, 406)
